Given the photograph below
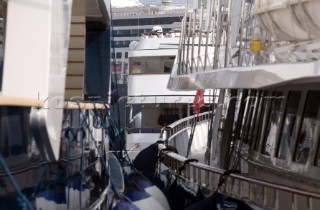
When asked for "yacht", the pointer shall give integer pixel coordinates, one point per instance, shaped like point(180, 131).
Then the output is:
point(129, 22)
point(263, 138)
point(131, 19)
point(149, 105)
point(53, 143)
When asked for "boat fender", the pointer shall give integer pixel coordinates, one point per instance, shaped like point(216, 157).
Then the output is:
point(255, 45)
point(146, 160)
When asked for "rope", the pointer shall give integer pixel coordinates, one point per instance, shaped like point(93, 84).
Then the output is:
point(117, 194)
point(113, 126)
point(82, 156)
point(186, 162)
point(76, 133)
point(72, 137)
point(85, 127)
point(191, 137)
point(68, 164)
point(23, 201)
point(222, 179)
point(37, 185)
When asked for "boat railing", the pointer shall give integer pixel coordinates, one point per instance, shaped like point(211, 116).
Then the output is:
point(83, 118)
point(240, 186)
point(38, 103)
point(236, 184)
point(252, 47)
point(83, 129)
point(172, 130)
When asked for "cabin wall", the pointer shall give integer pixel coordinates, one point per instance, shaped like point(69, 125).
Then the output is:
point(150, 116)
point(76, 58)
point(153, 89)
point(135, 142)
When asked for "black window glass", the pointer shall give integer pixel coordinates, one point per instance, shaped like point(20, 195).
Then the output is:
point(273, 122)
point(288, 124)
point(307, 129)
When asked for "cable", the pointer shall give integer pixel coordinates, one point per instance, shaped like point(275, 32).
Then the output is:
point(23, 201)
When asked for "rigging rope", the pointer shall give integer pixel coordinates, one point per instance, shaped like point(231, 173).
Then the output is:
point(191, 136)
point(23, 201)
point(86, 116)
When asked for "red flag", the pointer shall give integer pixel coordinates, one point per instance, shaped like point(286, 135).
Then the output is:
point(198, 101)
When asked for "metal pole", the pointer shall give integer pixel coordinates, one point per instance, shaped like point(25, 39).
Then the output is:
point(184, 43)
point(241, 34)
point(179, 50)
point(218, 38)
point(228, 34)
point(200, 35)
point(193, 37)
point(207, 33)
point(188, 42)
point(215, 131)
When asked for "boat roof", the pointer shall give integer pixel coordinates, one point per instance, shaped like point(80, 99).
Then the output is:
point(289, 75)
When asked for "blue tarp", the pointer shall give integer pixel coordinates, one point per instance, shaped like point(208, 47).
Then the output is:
point(97, 62)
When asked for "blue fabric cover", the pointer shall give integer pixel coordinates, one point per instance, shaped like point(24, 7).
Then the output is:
point(146, 160)
point(179, 198)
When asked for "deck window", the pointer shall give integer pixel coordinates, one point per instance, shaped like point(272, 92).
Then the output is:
point(259, 121)
point(136, 68)
point(151, 65)
point(253, 120)
point(14, 131)
point(273, 122)
point(288, 124)
point(306, 135)
point(249, 118)
point(167, 66)
point(119, 55)
point(239, 120)
point(317, 159)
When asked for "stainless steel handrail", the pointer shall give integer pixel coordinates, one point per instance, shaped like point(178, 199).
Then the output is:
point(209, 177)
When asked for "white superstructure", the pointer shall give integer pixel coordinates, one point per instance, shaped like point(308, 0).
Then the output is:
point(44, 147)
point(132, 21)
point(150, 62)
point(264, 134)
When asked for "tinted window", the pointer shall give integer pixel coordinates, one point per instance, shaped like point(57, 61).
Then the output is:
point(317, 159)
point(273, 121)
point(306, 134)
point(14, 135)
point(253, 120)
point(288, 124)
point(259, 120)
point(119, 54)
point(248, 115)
point(146, 21)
